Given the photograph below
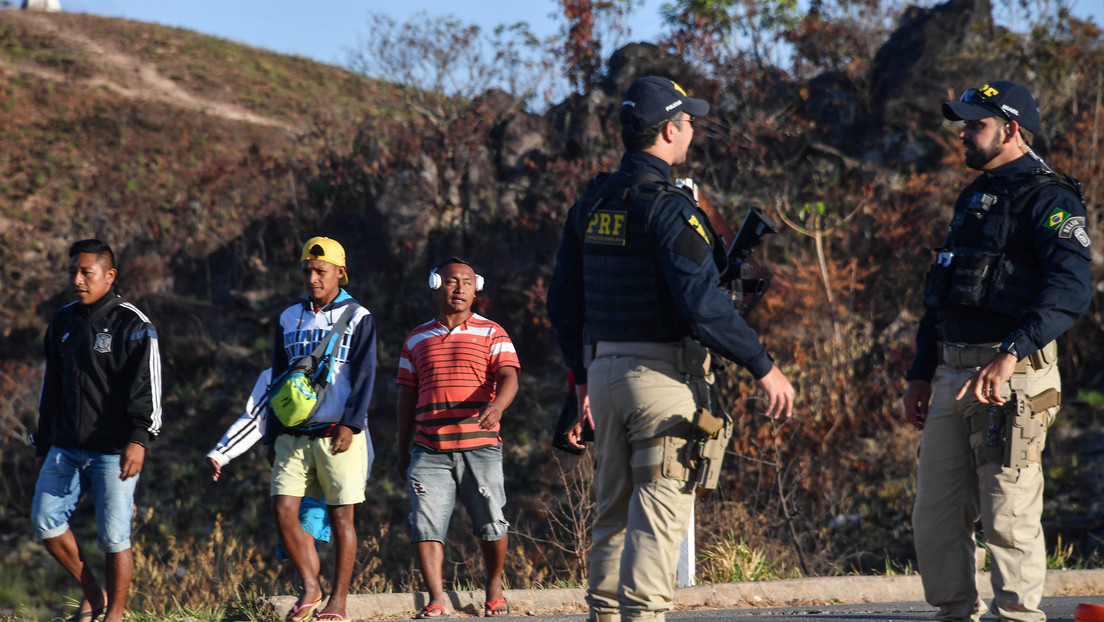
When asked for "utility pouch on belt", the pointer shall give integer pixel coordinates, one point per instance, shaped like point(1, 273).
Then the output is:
point(1043, 357)
point(693, 359)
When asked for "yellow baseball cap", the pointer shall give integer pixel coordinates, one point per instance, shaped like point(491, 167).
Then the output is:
point(326, 250)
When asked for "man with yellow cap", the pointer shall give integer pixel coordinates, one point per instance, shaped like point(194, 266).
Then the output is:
point(329, 452)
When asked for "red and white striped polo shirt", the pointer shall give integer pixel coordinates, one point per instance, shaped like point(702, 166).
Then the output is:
point(454, 373)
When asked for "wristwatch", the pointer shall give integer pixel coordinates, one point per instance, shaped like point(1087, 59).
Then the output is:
point(1009, 347)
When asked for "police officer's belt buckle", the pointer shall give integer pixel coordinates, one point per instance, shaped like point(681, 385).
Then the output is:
point(965, 355)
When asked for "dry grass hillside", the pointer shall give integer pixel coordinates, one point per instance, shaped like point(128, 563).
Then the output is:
point(156, 138)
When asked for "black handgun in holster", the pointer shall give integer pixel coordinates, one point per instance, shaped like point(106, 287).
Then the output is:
point(1015, 430)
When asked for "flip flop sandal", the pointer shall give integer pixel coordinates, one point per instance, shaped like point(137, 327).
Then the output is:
point(489, 607)
point(90, 616)
point(301, 613)
point(427, 612)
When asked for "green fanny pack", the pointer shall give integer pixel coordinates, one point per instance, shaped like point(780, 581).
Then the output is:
point(295, 394)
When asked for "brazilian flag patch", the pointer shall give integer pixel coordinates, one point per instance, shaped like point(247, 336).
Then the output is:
point(1056, 218)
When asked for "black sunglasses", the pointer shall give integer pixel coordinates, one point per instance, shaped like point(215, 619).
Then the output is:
point(976, 97)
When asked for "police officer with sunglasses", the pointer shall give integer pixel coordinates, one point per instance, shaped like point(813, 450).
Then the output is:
point(635, 304)
point(1013, 275)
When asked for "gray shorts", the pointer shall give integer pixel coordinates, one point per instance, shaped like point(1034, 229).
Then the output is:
point(436, 479)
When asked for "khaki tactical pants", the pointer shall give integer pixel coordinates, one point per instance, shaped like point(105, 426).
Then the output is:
point(956, 486)
point(640, 526)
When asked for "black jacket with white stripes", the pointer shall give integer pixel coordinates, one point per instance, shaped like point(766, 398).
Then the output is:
point(102, 386)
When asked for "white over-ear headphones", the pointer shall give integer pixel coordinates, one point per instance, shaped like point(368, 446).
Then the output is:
point(435, 279)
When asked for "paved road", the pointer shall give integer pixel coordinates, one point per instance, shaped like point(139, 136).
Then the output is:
point(1057, 608)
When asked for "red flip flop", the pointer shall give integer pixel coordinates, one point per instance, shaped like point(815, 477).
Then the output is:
point(427, 612)
point(489, 607)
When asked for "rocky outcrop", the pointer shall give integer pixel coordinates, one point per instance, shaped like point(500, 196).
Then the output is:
point(934, 54)
point(913, 73)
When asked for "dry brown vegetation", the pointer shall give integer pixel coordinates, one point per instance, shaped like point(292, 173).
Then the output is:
point(206, 163)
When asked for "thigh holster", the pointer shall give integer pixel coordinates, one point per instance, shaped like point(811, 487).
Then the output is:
point(1027, 427)
point(689, 452)
point(1012, 434)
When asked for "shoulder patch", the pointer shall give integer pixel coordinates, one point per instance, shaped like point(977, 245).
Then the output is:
point(606, 227)
point(1075, 228)
point(1057, 217)
point(697, 226)
point(1081, 236)
point(690, 246)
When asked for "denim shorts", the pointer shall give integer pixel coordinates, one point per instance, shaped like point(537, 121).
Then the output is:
point(65, 476)
point(435, 480)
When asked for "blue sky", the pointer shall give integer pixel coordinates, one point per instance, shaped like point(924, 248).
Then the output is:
point(325, 31)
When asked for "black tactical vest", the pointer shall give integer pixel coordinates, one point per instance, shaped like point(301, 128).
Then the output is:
point(626, 295)
point(983, 263)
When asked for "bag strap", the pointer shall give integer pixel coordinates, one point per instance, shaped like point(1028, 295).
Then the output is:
point(324, 350)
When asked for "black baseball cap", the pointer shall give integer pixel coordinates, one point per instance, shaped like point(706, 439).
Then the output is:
point(1002, 98)
point(652, 99)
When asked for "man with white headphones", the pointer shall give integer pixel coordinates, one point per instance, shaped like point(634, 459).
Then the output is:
point(457, 375)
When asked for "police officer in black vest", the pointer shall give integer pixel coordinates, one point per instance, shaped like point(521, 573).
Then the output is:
point(636, 290)
point(1013, 275)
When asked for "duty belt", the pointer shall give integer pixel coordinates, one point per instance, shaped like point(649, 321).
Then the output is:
point(687, 356)
point(668, 352)
point(966, 356)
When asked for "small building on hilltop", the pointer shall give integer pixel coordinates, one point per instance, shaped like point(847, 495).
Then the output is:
point(42, 5)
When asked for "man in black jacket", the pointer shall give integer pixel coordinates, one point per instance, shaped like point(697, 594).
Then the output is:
point(1013, 275)
point(100, 406)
